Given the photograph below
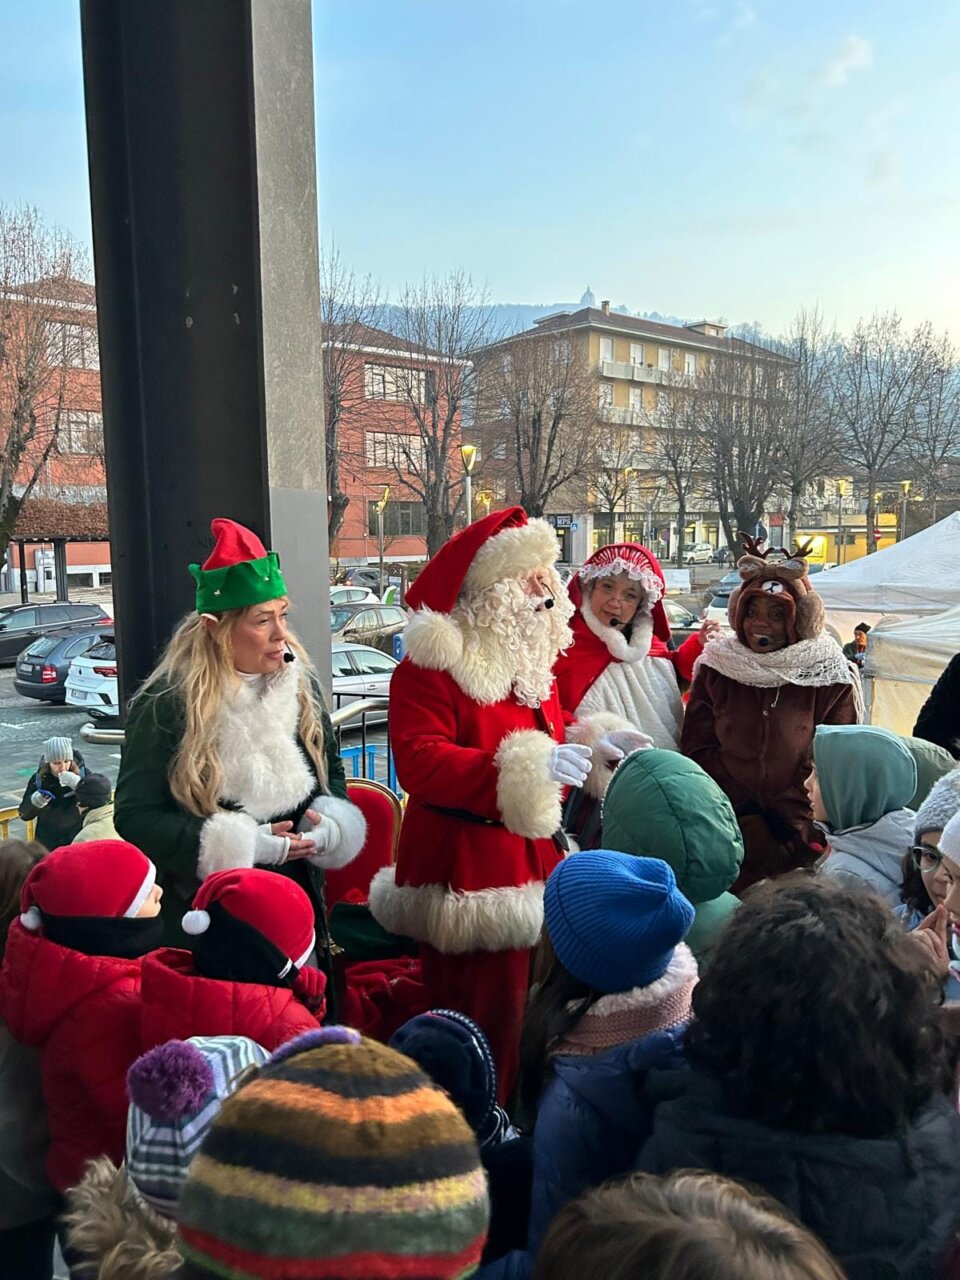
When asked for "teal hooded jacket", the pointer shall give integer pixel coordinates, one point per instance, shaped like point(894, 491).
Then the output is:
point(659, 804)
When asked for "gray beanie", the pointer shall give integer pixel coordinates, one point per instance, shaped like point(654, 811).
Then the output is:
point(58, 749)
point(942, 802)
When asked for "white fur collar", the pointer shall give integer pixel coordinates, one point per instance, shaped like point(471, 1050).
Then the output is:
point(681, 970)
point(624, 650)
point(264, 770)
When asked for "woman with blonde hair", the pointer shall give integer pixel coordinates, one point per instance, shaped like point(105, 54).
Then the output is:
point(230, 758)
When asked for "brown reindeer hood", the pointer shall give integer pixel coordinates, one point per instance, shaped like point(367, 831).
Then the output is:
point(779, 573)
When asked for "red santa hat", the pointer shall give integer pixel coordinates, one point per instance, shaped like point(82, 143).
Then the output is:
point(272, 904)
point(639, 564)
point(99, 878)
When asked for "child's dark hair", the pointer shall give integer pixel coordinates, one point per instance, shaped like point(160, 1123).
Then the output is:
point(17, 860)
point(912, 889)
point(817, 1012)
point(557, 1003)
point(690, 1226)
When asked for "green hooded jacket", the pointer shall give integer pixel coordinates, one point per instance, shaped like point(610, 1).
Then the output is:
point(659, 804)
point(864, 773)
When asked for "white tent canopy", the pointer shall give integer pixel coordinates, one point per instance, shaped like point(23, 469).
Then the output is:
point(920, 575)
point(904, 660)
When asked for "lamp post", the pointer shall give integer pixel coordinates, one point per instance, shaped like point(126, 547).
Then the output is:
point(380, 506)
point(841, 489)
point(905, 490)
point(468, 454)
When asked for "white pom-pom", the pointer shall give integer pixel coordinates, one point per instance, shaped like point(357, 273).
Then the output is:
point(195, 922)
point(31, 919)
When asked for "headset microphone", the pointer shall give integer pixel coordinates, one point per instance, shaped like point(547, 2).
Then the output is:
point(614, 622)
point(763, 641)
point(289, 656)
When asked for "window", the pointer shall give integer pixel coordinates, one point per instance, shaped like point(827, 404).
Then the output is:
point(636, 398)
point(375, 664)
point(40, 648)
point(636, 353)
point(365, 620)
point(84, 611)
point(663, 402)
point(606, 395)
point(339, 618)
point(76, 647)
point(394, 382)
point(690, 363)
point(80, 432)
point(391, 617)
point(342, 666)
point(606, 348)
point(399, 519)
point(663, 358)
point(22, 620)
point(395, 450)
point(73, 345)
point(53, 615)
point(499, 451)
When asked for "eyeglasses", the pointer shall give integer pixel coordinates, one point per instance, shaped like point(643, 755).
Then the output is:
point(926, 857)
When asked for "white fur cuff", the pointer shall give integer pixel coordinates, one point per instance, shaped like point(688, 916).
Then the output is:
point(528, 801)
point(227, 840)
point(589, 731)
point(353, 831)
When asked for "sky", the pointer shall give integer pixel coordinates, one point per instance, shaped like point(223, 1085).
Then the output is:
point(702, 159)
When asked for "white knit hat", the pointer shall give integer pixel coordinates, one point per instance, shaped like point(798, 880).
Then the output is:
point(58, 749)
point(942, 802)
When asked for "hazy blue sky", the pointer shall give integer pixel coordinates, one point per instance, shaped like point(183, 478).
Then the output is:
point(687, 156)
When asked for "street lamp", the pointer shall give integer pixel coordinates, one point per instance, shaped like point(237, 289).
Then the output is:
point(904, 489)
point(380, 506)
point(485, 498)
point(841, 490)
point(468, 453)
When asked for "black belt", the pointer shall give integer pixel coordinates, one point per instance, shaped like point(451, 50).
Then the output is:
point(559, 837)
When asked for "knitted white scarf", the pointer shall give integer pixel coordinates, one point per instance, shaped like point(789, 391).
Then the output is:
point(808, 663)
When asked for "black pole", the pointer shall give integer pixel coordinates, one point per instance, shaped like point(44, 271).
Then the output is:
point(24, 589)
point(60, 568)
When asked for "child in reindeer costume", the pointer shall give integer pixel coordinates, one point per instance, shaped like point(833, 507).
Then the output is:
point(756, 700)
point(478, 734)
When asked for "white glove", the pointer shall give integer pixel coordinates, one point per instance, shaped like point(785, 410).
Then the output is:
point(614, 746)
point(570, 764)
point(39, 800)
point(69, 780)
point(270, 850)
point(327, 835)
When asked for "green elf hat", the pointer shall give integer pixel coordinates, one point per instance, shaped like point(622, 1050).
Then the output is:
point(239, 572)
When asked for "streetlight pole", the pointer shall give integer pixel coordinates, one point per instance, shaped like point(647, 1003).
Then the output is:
point(905, 489)
point(841, 485)
point(380, 506)
point(468, 454)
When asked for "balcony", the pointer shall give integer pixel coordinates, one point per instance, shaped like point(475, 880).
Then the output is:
point(623, 417)
point(632, 372)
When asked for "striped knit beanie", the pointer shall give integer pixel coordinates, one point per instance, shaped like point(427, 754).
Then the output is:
point(340, 1161)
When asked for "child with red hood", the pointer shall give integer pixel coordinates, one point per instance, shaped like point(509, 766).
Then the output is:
point(757, 698)
point(619, 681)
point(70, 987)
point(247, 975)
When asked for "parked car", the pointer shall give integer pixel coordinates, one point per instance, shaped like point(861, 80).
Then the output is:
point(364, 577)
point(361, 672)
point(42, 668)
point(351, 595)
point(716, 610)
point(368, 624)
point(698, 553)
point(683, 622)
point(92, 679)
point(21, 624)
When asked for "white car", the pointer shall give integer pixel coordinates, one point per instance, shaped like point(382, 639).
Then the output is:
point(92, 679)
point(351, 595)
point(698, 553)
point(360, 671)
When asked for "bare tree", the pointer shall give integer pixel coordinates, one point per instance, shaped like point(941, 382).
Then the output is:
point(934, 439)
point(349, 308)
point(40, 340)
point(538, 395)
point(441, 324)
point(618, 457)
point(739, 403)
point(678, 450)
point(882, 376)
point(808, 437)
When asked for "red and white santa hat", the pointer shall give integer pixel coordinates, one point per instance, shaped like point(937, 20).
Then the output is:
point(272, 904)
point(638, 563)
point(99, 878)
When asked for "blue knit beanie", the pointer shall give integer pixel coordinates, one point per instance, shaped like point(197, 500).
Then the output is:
point(614, 920)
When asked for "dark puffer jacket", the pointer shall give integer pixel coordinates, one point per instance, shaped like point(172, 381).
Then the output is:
point(887, 1208)
point(60, 819)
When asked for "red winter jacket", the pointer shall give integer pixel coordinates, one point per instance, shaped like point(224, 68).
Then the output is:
point(83, 1014)
point(178, 1003)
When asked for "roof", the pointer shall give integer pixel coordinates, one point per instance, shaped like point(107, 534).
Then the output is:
point(594, 318)
point(46, 519)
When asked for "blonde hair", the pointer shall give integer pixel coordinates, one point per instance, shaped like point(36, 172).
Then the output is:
point(115, 1231)
point(689, 1226)
point(197, 666)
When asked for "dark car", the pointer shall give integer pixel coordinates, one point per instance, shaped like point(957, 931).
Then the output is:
point(42, 668)
point(684, 623)
point(21, 624)
point(371, 624)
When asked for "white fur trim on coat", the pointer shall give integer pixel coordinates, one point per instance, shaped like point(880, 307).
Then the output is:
point(432, 641)
point(588, 732)
point(513, 553)
point(227, 840)
point(353, 831)
point(681, 970)
point(456, 923)
point(624, 650)
point(528, 801)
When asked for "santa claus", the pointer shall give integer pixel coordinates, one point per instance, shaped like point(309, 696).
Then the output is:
point(618, 683)
point(478, 737)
